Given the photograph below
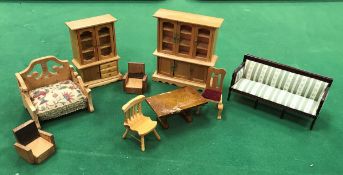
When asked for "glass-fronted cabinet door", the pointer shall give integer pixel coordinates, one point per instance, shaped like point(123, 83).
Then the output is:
point(167, 36)
point(203, 43)
point(185, 39)
point(105, 42)
point(87, 45)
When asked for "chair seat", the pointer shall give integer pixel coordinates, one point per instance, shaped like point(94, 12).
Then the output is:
point(278, 96)
point(142, 125)
point(39, 146)
point(135, 83)
point(212, 94)
point(57, 99)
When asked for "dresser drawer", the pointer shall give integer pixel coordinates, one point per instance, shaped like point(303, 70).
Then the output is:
point(108, 70)
point(111, 74)
point(108, 65)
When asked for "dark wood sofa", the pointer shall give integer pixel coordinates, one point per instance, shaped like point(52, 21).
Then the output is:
point(290, 88)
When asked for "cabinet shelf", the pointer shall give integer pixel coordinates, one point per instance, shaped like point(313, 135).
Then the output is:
point(105, 46)
point(86, 39)
point(203, 46)
point(168, 40)
point(104, 35)
point(88, 50)
point(167, 29)
point(203, 35)
point(184, 43)
point(186, 32)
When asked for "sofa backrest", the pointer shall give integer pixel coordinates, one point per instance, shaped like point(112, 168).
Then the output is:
point(284, 77)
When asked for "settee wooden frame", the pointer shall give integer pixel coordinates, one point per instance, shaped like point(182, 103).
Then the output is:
point(286, 68)
point(29, 80)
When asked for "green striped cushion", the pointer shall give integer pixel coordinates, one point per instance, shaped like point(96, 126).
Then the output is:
point(276, 95)
point(294, 83)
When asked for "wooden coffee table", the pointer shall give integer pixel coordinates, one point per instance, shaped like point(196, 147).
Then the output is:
point(177, 101)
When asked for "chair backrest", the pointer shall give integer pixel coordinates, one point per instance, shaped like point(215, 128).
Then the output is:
point(215, 79)
point(133, 109)
point(136, 70)
point(26, 132)
point(46, 77)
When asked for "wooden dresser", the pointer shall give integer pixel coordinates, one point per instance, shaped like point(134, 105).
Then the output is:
point(185, 47)
point(94, 49)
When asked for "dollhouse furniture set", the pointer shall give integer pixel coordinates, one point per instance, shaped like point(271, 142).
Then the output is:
point(32, 144)
point(185, 56)
point(55, 91)
point(290, 88)
point(134, 120)
point(94, 49)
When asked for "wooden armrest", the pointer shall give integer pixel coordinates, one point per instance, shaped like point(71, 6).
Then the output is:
point(24, 152)
point(125, 79)
point(145, 78)
point(21, 83)
point(235, 73)
point(322, 100)
point(47, 136)
point(28, 101)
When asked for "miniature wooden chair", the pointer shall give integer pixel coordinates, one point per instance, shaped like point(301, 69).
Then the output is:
point(135, 120)
point(55, 91)
point(214, 86)
point(135, 81)
point(32, 144)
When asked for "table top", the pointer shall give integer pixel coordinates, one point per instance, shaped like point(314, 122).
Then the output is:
point(175, 101)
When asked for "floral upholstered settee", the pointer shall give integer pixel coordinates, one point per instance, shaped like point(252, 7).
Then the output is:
point(290, 88)
point(53, 92)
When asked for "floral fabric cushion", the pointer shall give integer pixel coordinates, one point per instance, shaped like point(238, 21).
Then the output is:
point(57, 99)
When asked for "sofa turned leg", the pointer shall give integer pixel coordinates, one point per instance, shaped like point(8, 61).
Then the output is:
point(313, 122)
point(282, 114)
point(228, 95)
point(255, 105)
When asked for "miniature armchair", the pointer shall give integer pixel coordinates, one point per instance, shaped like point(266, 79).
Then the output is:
point(134, 120)
point(55, 91)
point(32, 144)
point(135, 81)
point(214, 86)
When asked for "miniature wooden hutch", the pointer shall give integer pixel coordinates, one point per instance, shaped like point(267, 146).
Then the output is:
point(185, 47)
point(94, 49)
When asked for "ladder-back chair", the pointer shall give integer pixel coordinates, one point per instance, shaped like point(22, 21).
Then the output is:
point(134, 120)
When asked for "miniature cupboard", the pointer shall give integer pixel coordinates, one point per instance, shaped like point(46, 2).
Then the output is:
point(94, 49)
point(185, 47)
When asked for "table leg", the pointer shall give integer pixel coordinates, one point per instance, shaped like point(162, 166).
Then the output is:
point(186, 114)
point(163, 121)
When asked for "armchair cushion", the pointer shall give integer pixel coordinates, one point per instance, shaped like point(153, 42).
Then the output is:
point(212, 94)
point(40, 146)
point(135, 83)
point(57, 99)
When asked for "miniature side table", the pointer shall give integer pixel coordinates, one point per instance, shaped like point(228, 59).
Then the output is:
point(176, 101)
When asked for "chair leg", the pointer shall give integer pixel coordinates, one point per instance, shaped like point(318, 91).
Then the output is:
point(142, 143)
point(156, 134)
point(313, 122)
point(125, 133)
point(198, 110)
point(35, 118)
point(220, 110)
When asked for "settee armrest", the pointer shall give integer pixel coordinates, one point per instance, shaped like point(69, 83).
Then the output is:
point(21, 83)
point(47, 136)
point(237, 74)
point(325, 93)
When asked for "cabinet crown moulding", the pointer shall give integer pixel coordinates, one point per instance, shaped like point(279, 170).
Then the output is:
point(89, 22)
point(189, 18)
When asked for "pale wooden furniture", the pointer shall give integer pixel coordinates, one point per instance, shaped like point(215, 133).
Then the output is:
point(32, 83)
point(181, 101)
point(185, 47)
point(134, 120)
point(135, 80)
point(94, 49)
point(214, 88)
point(32, 144)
